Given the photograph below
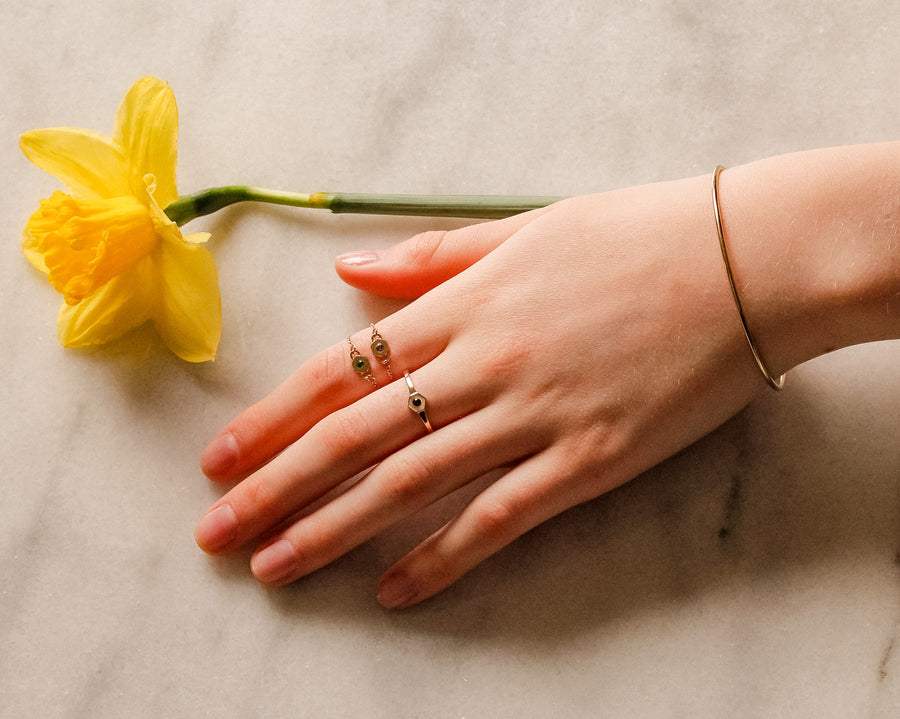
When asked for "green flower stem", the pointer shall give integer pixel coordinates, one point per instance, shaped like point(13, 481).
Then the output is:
point(188, 207)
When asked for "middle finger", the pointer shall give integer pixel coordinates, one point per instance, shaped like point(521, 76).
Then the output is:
point(338, 447)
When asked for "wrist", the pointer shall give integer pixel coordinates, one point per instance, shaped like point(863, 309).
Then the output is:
point(813, 243)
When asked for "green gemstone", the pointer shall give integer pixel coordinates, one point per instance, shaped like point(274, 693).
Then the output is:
point(361, 365)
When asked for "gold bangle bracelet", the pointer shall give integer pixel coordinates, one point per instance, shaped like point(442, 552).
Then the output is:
point(773, 382)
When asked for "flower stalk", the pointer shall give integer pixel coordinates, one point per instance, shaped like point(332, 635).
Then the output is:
point(189, 207)
point(112, 247)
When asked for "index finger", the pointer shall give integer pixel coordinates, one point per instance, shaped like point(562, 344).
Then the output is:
point(321, 386)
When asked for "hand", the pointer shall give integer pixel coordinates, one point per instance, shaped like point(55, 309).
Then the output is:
point(579, 344)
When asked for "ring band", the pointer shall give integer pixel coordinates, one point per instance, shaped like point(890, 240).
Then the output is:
point(417, 402)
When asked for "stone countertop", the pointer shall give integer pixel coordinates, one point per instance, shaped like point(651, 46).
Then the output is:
point(755, 574)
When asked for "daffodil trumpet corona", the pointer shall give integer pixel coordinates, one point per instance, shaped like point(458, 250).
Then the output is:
point(112, 247)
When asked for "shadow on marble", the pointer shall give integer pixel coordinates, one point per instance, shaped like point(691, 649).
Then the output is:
point(776, 491)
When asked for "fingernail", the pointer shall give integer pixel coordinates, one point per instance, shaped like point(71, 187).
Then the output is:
point(395, 590)
point(354, 259)
point(216, 528)
point(274, 562)
point(220, 455)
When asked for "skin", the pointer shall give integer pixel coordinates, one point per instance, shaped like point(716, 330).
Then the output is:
point(579, 344)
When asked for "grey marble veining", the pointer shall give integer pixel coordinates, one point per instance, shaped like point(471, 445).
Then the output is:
point(755, 574)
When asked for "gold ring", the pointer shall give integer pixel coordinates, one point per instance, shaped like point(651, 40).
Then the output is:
point(361, 365)
point(382, 351)
point(417, 402)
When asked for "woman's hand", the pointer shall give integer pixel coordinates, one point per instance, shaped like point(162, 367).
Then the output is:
point(580, 344)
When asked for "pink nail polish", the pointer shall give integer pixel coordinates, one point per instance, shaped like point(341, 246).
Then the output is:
point(273, 563)
point(396, 590)
point(220, 455)
point(355, 259)
point(216, 528)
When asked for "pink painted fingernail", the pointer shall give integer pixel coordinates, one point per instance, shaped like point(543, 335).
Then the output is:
point(396, 590)
point(273, 563)
point(216, 528)
point(354, 259)
point(220, 455)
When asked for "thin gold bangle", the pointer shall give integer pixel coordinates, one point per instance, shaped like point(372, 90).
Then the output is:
point(773, 383)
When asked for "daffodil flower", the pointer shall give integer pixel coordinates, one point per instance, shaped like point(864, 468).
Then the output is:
point(107, 245)
point(112, 245)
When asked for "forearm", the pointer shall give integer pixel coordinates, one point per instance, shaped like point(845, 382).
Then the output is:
point(813, 240)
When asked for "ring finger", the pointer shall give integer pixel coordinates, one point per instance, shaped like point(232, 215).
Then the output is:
point(407, 481)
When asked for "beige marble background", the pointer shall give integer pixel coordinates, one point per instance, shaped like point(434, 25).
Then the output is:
point(756, 574)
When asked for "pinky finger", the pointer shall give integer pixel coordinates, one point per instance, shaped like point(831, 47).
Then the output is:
point(519, 501)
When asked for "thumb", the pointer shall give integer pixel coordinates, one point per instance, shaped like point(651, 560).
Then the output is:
point(411, 268)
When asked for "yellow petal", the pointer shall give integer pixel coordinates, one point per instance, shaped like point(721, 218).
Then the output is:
point(147, 129)
point(189, 316)
point(120, 305)
point(197, 238)
point(88, 162)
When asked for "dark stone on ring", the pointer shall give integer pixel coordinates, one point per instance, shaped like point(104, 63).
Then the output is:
point(417, 402)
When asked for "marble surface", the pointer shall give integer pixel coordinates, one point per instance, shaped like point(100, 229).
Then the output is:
point(756, 574)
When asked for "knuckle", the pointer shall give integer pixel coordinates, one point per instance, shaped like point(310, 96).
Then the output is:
point(249, 425)
point(259, 496)
point(407, 477)
point(323, 539)
point(329, 368)
point(436, 571)
point(343, 432)
point(502, 361)
point(495, 521)
point(605, 445)
point(423, 247)
point(505, 358)
point(431, 567)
